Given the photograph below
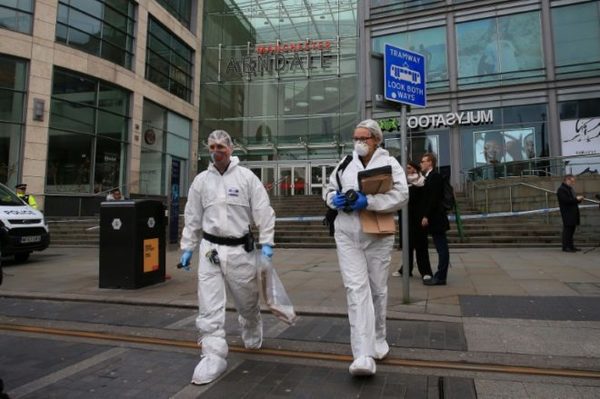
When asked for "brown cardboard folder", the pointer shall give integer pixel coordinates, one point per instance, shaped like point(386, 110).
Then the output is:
point(376, 181)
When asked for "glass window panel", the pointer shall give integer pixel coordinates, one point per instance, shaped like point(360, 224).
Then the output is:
point(151, 172)
point(69, 162)
point(84, 22)
point(16, 15)
point(11, 106)
point(210, 103)
point(13, 73)
point(112, 126)
point(114, 54)
point(174, 52)
point(178, 125)
point(10, 145)
point(107, 171)
point(180, 9)
point(576, 33)
point(72, 116)
point(82, 122)
point(98, 28)
point(502, 48)
point(178, 146)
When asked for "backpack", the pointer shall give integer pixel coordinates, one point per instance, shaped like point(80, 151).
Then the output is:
point(448, 200)
point(331, 214)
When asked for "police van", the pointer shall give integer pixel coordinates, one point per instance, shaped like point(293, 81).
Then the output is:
point(22, 228)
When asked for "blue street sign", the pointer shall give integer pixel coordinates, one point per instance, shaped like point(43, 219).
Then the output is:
point(404, 76)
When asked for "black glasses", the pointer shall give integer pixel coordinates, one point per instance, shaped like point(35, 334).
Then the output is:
point(361, 139)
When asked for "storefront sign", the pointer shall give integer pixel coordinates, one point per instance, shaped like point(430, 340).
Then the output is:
point(280, 58)
point(440, 120)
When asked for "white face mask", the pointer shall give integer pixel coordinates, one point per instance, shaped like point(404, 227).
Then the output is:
point(361, 148)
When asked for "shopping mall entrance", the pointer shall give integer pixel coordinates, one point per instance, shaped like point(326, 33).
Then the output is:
point(293, 178)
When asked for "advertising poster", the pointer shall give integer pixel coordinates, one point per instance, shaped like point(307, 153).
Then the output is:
point(581, 137)
point(500, 146)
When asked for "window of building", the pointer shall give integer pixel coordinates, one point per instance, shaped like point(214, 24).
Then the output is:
point(502, 50)
point(16, 15)
point(104, 28)
point(180, 9)
point(169, 61)
point(379, 7)
point(13, 80)
point(297, 101)
point(165, 140)
point(509, 145)
point(431, 43)
point(579, 109)
point(576, 33)
point(88, 139)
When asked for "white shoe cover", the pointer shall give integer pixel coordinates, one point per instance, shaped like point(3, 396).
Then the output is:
point(364, 365)
point(381, 350)
point(252, 337)
point(209, 369)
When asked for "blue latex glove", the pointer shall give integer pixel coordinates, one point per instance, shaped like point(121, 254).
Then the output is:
point(360, 203)
point(267, 250)
point(339, 201)
point(185, 259)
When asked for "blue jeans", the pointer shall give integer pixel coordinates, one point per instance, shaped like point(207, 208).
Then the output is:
point(441, 246)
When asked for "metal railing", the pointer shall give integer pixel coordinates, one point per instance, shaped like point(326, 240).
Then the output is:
point(547, 202)
point(546, 166)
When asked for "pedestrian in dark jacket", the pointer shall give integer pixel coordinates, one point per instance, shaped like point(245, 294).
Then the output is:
point(417, 234)
point(435, 219)
point(568, 202)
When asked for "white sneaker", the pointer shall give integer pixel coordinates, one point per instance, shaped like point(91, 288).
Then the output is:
point(363, 366)
point(381, 350)
point(209, 369)
point(396, 274)
point(426, 277)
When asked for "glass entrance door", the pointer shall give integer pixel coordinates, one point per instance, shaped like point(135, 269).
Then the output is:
point(319, 175)
point(292, 180)
point(266, 174)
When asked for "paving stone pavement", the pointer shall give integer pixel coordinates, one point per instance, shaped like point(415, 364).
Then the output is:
point(535, 306)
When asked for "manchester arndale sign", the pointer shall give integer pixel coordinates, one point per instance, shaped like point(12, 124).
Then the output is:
point(280, 58)
point(434, 121)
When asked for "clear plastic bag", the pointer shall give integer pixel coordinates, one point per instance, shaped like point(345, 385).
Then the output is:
point(273, 291)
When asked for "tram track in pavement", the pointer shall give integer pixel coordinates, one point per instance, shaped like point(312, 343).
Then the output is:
point(460, 366)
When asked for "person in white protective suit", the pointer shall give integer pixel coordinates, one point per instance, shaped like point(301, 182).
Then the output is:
point(222, 203)
point(365, 258)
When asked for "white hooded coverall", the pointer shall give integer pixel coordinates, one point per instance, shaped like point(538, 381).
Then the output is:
point(365, 258)
point(224, 206)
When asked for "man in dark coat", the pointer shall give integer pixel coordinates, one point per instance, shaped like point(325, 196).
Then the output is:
point(435, 219)
point(568, 202)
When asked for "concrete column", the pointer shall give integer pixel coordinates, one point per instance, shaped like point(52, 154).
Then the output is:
point(35, 148)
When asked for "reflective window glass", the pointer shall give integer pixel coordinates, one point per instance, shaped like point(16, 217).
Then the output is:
point(89, 129)
point(180, 9)
point(280, 75)
point(101, 27)
point(576, 33)
point(165, 138)
point(169, 61)
point(13, 78)
point(16, 15)
point(503, 49)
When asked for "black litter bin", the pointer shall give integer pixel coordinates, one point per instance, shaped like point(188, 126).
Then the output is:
point(132, 243)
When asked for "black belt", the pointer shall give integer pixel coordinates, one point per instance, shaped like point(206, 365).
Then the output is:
point(229, 241)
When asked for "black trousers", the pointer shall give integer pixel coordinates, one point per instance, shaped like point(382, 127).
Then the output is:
point(567, 237)
point(417, 242)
